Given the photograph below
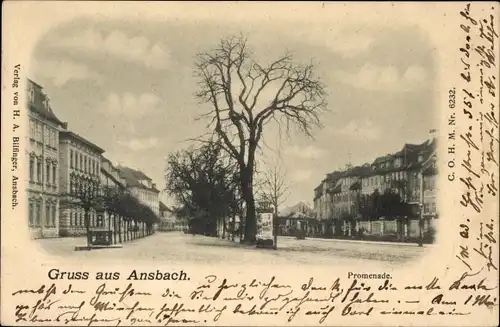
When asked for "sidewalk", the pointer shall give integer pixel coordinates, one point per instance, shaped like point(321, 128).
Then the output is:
point(358, 241)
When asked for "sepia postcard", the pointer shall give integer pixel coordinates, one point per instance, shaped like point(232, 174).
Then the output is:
point(250, 163)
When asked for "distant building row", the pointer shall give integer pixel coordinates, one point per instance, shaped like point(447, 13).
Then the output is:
point(410, 172)
point(59, 160)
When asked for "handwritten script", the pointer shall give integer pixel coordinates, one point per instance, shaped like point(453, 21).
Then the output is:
point(479, 140)
point(219, 299)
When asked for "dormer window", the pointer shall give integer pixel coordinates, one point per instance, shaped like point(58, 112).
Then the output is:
point(31, 93)
point(46, 103)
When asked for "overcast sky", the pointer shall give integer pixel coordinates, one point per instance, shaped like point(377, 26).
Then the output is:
point(128, 87)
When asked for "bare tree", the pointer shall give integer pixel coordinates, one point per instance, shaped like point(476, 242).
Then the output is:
point(235, 86)
point(273, 186)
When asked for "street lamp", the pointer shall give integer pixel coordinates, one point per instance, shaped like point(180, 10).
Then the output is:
point(420, 227)
point(420, 221)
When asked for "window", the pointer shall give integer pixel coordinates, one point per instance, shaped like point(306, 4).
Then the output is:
point(47, 174)
point(54, 170)
point(39, 171)
point(32, 128)
point(38, 214)
point(31, 94)
point(81, 162)
point(46, 137)
point(71, 158)
point(85, 164)
point(420, 158)
point(47, 215)
point(32, 169)
point(31, 214)
point(38, 131)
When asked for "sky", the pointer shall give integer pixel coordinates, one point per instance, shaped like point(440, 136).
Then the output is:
point(128, 86)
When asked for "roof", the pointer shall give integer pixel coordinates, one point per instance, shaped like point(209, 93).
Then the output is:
point(334, 176)
point(163, 207)
point(38, 105)
point(133, 178)
point(410, 154)
point(70, 134)
point(358, 171)
point(107, 173)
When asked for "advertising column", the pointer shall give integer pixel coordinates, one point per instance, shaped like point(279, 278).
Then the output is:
point(265, 230)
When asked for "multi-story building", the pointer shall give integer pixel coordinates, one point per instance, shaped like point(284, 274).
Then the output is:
point(80, 166)
point(110, 177)
point(429, 174)
point(323, 198)
point(142, 187)
point(323, 202)
point(43, 154)
point(409, 172)
point(399, 171)
point(346, 196)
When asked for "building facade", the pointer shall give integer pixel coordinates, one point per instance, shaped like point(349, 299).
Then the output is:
point(142, 187)
point(80, 169)
point(110, 177)
point(411, 173)
point(43, 154)
point(429, 175)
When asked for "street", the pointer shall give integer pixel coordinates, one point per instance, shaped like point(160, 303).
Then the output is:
point(176, 247)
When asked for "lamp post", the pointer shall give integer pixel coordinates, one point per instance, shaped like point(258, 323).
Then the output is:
point(420, 222)
point(275, 231)
point(421, 216)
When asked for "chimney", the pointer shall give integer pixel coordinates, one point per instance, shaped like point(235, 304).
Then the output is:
point(65, 125)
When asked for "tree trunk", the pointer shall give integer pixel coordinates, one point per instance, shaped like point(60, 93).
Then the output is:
point(233, 227)
point(120, 229)
point(125, 232)
point(248, 197)
point(223, 228)
point(87, 226)
point(114, 228)
point(250, 219)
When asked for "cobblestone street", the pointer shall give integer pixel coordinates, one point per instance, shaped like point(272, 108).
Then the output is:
point(176, 247)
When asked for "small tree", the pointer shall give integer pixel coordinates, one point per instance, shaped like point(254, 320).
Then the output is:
point(84, 193)
point(111, 198)
point(274, 190)
point(273, 187)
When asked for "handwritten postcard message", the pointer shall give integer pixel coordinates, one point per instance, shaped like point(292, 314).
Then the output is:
point(217, 299)
point(250, 164)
